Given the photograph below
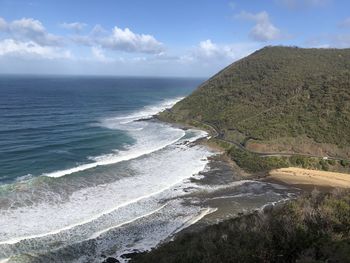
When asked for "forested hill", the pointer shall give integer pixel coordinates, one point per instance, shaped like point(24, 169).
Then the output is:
point(277, 92)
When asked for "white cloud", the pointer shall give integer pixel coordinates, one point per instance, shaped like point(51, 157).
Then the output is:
point(126, 40)
point(28, 38)
point(93, 38)
point(75, 26)
point(30, 49)
point(98, 30)
point(120, 40)
point(3, 24)
point(209, 52)
point(29, 29)
point(99, 55)
point(263, 30)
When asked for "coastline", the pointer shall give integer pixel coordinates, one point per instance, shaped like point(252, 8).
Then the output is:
point(222, 168)
point(221, 197)
point(222, 202)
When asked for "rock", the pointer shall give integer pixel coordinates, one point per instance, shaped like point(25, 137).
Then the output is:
point(130, 255)
point(111, 260)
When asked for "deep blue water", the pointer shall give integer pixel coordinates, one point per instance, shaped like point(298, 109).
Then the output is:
point(53, 123)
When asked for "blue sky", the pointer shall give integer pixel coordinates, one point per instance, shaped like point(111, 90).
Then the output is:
point(157, 37)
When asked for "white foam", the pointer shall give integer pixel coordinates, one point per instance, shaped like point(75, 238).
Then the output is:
point(161, 159)
point(97, 234)
point(115, 158)
point(203, 213)
point(23, 178)
point(146, 112)
point(56, 231)
point(148, 139)
point(153, 174)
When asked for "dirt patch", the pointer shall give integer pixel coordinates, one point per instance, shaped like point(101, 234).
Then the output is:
point(299, 145)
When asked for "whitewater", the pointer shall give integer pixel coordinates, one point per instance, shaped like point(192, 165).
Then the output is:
point(86, 172)
point(76, 205)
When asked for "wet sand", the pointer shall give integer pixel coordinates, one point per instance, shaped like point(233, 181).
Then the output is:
point(229, 193)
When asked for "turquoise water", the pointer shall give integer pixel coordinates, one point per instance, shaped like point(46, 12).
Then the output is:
point(78, 159)
point(54, 123)
point(84, 172)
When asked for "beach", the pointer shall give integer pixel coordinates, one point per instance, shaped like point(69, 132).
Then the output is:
point(306, 178)
point(106, 180)
point(109, 179)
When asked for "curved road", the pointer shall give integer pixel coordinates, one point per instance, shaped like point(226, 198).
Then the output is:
point(219, 136)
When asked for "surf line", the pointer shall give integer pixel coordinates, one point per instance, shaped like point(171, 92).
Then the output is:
point(193, 220)
point(203, 213)
point(117, 159)
point(97, 234)
point(19, 239)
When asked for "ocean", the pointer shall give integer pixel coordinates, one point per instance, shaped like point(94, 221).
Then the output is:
point(85, 173)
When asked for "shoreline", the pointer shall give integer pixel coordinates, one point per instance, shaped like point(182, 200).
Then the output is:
point(222, 170)
point(219, 204)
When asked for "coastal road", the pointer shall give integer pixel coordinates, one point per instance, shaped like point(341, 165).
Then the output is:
point(220, 137)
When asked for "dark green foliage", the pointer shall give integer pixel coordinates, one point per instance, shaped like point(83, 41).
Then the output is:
point(310, 229)
point(324, 165)
point(220, 143)
point(300, 161)
point(278, 92)
point(331, 162)
point(254, 163)
point(344, 163)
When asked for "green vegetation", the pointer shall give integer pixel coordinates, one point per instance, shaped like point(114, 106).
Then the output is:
point(276, 96)
point(344, 163)
point(315, 228)
point(225, 145)
point(277, 92)
point(252, 162)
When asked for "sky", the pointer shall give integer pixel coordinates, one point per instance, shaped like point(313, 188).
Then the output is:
point(182, 38)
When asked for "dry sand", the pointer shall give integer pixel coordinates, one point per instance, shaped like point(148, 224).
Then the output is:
point(306, 178)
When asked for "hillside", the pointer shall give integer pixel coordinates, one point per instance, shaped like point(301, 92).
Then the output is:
point(278, 99)
point(313, 228)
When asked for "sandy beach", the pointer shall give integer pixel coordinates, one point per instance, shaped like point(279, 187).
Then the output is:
point(305, 178)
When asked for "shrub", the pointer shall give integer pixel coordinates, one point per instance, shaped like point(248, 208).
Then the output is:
point(344, 163)
point(315, 228)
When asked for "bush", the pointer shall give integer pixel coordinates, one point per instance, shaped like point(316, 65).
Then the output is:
point(315, 228)
point(324, 165)
point(254, 163)
point(344, 163)
point(331, 162)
